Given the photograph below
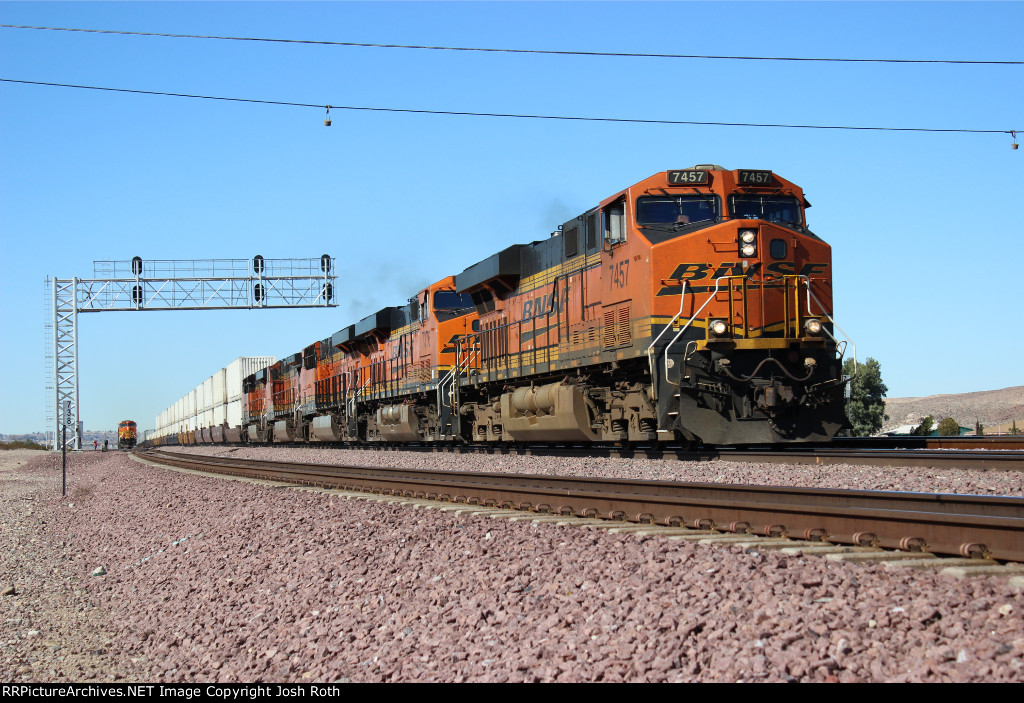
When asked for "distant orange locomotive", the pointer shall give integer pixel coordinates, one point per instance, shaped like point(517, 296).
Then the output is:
point(694, 306)
point(127, 434)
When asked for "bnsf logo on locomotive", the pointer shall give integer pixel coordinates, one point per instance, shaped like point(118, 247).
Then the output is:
point(712, 272)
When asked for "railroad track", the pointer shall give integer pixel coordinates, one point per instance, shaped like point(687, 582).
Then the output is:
point(1015, 442)
point(989, 459)
point(959, 525)
point(872, 454)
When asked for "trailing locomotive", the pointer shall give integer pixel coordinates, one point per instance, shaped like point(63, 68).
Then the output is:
point(693, 306)
point(127, 434)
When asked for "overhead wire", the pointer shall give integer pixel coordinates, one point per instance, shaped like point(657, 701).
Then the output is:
point(555, 52)
point(507, 114)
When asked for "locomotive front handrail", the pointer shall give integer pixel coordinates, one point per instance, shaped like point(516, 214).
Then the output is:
point(718, 282)
point(847, 340)
point(650, 357)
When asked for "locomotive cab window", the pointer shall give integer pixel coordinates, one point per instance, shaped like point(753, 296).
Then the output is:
point(449, 304)
point(783, 210)
point(676, 209)
point(614, 217)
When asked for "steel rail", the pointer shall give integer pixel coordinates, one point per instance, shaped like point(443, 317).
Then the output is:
point(965, 525)
point(947, 459)
point(1008, 460)
point(912, 442)
point(985, 459)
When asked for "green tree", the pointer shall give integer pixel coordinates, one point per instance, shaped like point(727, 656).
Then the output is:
point(979, 429)
point(925, 428)
point(949, 428)
point(866, 409)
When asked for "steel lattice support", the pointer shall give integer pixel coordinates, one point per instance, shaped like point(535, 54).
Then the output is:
point(211, 284)
point(65, 360)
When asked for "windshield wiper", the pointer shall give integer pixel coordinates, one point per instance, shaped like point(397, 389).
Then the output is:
point(676, 226)
point(781, 221)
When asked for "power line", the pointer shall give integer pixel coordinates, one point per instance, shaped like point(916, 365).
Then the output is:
point(508, 114)
point(512, 51)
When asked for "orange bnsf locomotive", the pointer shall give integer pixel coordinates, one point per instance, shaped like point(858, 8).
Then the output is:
point(694, 306)
point(127, 434)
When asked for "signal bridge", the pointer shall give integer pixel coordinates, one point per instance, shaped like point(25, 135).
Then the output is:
point(137, 285)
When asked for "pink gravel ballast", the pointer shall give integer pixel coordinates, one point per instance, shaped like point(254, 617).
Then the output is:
point(211, 580)
point(843, 476)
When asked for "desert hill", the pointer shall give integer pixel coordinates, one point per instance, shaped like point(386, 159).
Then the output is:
point(996, 410)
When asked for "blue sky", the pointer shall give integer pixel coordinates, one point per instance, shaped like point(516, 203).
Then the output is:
point(925, 228)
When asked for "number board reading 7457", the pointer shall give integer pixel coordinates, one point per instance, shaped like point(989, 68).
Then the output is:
point(688, 177)
point(754, 178)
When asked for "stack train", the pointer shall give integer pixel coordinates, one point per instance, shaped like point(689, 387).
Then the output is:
point(692, 307)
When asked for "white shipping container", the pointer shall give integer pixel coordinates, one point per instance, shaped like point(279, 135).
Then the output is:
point(240, 368)
point(190, 406)
point(234, 413)
point(218, 391)
point(207, 394)
point(200, 404)
point(220, 413)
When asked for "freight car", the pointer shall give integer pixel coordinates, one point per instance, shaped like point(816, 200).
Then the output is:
point(127, 434)
point(693, 306)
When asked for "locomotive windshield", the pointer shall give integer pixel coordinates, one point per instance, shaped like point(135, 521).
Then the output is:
point(449, 300)
point(449, 304)
point(676, 209)
point(783, 210)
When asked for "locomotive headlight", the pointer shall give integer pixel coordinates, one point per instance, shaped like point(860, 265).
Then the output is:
point(718, 327)
point(748, 243)
point(813, 327)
